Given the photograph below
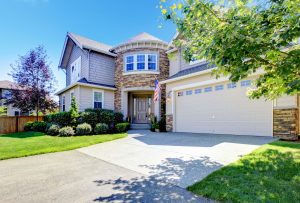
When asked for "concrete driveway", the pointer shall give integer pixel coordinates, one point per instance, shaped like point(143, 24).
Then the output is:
point(144, 167)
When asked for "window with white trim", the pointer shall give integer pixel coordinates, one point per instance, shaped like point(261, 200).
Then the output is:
point(198, 91)
point(245, 83)
point(129, 63)
point(231, 85)
point(141, 62)
point(208, 89)
point(189, 92)
point(63, 103)
point(219, 87)
point(71, 95)
point(98, 100)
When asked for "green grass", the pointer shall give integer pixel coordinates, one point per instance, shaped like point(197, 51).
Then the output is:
point(269, 174)
point(31, 143)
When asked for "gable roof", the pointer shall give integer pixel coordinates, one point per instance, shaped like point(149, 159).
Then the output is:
point(143, 37)
point(82, 43)
point(86, 43)
point(195, 69)
point(6, 84)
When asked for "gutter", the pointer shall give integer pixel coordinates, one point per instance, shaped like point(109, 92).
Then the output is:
point(187, 76)
point(86, 85)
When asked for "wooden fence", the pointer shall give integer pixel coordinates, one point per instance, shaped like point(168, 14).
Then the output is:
point(13, 124)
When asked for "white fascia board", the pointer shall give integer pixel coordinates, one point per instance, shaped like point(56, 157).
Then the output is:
point(187, 76)
point(84, 84)
point(63, 52)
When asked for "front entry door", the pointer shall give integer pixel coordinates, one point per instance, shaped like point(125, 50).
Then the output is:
point(142, 108)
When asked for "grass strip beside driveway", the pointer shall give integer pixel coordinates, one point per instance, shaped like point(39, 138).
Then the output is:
point(32, 143)
point(269, 174)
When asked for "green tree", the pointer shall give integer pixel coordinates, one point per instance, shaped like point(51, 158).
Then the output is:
point(3, 110)
point(241, 37)
point(74, 110)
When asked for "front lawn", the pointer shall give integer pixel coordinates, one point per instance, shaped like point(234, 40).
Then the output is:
point(269, 174)
point(31, 143)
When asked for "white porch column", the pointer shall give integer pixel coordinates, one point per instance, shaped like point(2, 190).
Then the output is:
point(124, 103)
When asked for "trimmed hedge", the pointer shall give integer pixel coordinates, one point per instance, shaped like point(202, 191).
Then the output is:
point(28, 126)
point(107, 116)
point(122, 127)
point(83, 129)
point(66, 131)
point(88, 117)
point(61, 118)
point(101, 128)
point(53, 130)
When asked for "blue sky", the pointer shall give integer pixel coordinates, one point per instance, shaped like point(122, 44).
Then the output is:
point(25, 24)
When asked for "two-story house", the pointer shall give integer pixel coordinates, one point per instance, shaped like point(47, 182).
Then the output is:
point(5, 93)
point(122, 78)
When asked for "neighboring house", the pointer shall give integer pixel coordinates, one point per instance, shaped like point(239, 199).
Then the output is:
point(5, 92)
point(122, 78)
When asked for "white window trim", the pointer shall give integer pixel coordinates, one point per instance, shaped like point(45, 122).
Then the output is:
point(135, 70)
point(100, 91)
point(63, 102)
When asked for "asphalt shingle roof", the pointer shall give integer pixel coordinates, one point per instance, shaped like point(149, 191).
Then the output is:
point(195, 69)
point(6, 84)
point(91, 44)
point(84, 80)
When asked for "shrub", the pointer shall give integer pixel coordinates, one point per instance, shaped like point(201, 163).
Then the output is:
point(39, 126)
point(105, 115)
point(83, 129)
point(66, 131)
point(53, 130)
point(101, 128)
point(118, 117)
point(122, 127)
point(61, 118)
point(162, 124)
point(89, 117)
point(28, 126)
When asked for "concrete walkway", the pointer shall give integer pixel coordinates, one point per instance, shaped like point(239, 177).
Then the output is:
point(144, 167)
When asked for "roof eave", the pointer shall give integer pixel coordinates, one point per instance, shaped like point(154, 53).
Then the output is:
point(141, 41)
point(83, 84)
point(187, 76)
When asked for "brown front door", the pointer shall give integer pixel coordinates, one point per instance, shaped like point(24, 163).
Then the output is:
point(141, 110)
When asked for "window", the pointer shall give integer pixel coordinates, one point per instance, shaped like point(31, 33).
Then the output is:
point(63, 103)
point(138, 62)
point(72, 95)
point(152, 62)
point(198, 91)
point(189, 92)
point(141, 62)
point(76, 70)
point(246, 83)
point(17, 113)
point(98, 100)
point(231, 85)
point(179, 94)
point(129, 63)
point(208, 89)
point(219, 87)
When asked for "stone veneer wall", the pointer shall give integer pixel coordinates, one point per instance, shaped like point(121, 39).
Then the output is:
point(169, 123)
point(141, 80)
point(286, 123)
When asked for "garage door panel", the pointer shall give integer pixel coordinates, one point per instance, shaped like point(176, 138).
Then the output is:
point(228, 111)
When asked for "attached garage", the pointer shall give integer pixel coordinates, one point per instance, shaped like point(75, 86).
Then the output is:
point(221, 108)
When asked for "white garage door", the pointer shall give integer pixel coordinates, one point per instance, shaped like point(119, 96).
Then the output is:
point(222, 109)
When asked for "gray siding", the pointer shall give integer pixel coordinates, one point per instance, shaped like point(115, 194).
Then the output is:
point(102, 69)
point(76, 53)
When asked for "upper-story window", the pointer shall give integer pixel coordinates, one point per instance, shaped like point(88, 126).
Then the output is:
point(141, 62)
point(76, 70)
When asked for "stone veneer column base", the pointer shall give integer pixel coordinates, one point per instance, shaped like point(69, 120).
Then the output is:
point(286, 123)
point(169, 123)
